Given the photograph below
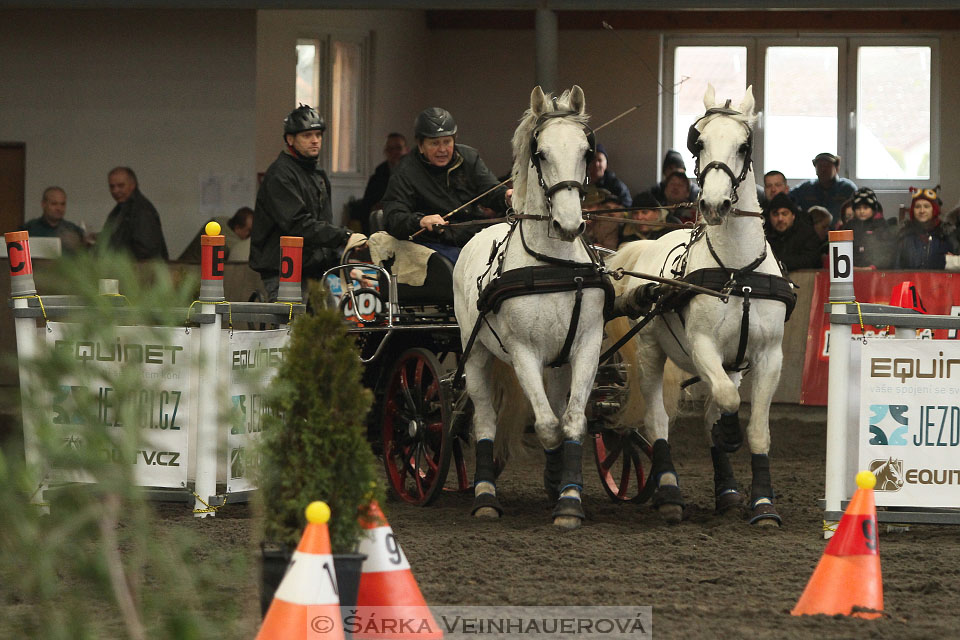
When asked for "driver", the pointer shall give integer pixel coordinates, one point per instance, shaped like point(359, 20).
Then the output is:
point(439, 176)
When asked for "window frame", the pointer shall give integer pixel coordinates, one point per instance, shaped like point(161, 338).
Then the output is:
point(847, 50)
point(324, 43)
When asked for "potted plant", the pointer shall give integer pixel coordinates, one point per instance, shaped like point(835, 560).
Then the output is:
point(314, 447)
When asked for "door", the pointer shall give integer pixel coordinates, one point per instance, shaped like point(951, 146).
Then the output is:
point(13, 172)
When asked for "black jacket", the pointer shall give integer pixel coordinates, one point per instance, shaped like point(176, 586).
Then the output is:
point(294, 200)
point(615, 185)
point(919, 247)
point(134, 226)
point(799, 247)
point(873, 243)
point(418, 188)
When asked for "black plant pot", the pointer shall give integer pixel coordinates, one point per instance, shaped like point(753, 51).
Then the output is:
point(347, 567)
point(275, 559)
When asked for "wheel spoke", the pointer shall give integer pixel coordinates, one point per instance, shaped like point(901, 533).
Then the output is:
point(624, 478)
point(405, 389)
point(612, 455)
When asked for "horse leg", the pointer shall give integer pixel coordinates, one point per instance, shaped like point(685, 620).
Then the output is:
point(557, 381)
point(477, 370)
point(667, 497)
point(767, 369)
point(726, 492)
point(725, 431)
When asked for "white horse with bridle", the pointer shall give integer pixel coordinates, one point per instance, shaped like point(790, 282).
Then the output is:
point(716, 340)
point(543, 312)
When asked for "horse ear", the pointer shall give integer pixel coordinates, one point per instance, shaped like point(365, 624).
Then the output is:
point(537, 101)
point(748, 102)
point(577, 102)
point(710, 97)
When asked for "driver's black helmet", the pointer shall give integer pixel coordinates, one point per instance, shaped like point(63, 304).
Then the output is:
point(434, 123)
point(303, 118)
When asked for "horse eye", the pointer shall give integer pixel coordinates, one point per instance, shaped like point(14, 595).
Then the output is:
point(744, 148)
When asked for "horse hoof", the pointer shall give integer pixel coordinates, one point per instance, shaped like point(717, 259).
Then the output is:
point(486, 512)
point(729, 501)
point(671, 513)
point(764, 514)
point(486, 505)
point(567, 522)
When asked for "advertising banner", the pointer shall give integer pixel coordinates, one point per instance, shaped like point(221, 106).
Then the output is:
point(938, 292)
point(165, 360)
point(909, 426)
point(251, 360)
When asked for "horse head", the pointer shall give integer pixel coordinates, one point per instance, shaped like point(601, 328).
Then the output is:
point(721, 140)
point(554, 143)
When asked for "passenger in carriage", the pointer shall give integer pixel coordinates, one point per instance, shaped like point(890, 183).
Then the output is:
point(649, 210)
point(794, 242)
point(873, 241)
point(921, 242)
point(294, 200)
point(435, 179)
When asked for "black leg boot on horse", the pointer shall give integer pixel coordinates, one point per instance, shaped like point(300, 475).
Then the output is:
point(485, 503)
point(761, 493)
point(552, 472)
point(667, 498)
point(568, 513)
point(725, 489)
point(726, 433)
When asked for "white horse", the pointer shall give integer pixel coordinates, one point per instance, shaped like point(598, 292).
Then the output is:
point(706, 336)
point(531, 331)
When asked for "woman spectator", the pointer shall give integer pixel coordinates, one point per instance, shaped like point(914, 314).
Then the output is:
point(676, 190)
point(873, 243)
point(602, 177)
point(922, 243)
point(846, 213)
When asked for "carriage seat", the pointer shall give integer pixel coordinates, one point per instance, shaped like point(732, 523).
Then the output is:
point(423, 275)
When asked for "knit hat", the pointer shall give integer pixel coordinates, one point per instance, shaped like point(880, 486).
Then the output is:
point(865, 195)
point(645, 200)
point(781, 201)
point(930, 195)
point(602, 149)
point(673, 159)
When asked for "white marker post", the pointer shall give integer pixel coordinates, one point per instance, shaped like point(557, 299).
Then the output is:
point(841, 291)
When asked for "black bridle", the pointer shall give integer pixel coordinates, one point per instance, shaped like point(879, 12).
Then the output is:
point(695, 147)
point(535, 156)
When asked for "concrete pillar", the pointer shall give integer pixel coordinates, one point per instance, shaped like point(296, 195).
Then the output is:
point(547, 45)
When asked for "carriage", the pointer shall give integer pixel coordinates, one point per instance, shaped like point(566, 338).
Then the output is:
point(409, 342)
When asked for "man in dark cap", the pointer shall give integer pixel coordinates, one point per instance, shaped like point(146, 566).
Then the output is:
point(294, 200)
point(604, 178)
point(433, 180)
point(828, 190)
point(794, 242)
point(672, 163)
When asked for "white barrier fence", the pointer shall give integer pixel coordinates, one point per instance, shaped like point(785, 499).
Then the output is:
point(893, 406)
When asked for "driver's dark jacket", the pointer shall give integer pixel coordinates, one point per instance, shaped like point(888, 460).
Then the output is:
point(294, 200)
point(417, 188)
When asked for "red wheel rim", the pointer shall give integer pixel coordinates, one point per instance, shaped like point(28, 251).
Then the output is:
point(415, 414)
point(620, 459)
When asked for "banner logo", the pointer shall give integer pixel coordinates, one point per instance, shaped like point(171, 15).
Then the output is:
point(889, 474)
point(888, 425)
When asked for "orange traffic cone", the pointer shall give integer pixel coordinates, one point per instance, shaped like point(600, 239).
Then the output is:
point(847, 579)
point(389, 602)
point(906, 295)
point(306, 603)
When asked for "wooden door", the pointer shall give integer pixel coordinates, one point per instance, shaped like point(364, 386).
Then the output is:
point(13, 173)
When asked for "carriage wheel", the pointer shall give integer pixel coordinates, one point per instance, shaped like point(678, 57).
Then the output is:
point(414, 428)
point(621, 457)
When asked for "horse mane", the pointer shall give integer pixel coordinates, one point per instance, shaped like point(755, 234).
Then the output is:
point(521, 142)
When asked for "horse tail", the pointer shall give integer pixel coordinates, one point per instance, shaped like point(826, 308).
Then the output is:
point(634, 407)
point(513, 409)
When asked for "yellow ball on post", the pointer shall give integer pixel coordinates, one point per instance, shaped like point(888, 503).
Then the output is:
point(866, 480)
point(212, 228)
point(318, 512)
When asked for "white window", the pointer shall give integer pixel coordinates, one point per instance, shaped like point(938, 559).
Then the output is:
point(332, 77)
point(870, 100)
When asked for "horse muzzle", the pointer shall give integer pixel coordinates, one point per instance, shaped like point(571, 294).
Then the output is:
point(565, 233)
point(713, 214)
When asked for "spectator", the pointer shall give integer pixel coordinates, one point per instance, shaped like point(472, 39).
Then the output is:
point(794, 243)
point(921, 242)
point(672, 162)
point(134, 224)
point(604, 178)
point(51, 223)
point(676, 190)
point(234, 230)
point(822, 220)
point(827, 190)
point(649, 211)
point(436, 178)
point(774, 182)
point(602, 233)
point(873, 244)
point(846, 213)
point(294, 200)
point(393, 150)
